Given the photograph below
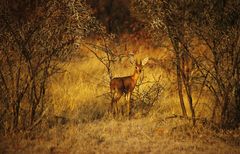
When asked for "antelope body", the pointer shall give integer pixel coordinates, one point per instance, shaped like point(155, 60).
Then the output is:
point(125, 85)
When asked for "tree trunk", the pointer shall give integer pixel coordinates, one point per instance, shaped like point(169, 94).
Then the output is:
point(189, 96)
point(179, 78)
point(179, 83)
point(172, 33)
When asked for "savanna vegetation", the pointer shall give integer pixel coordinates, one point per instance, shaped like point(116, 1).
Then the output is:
point(57, 59)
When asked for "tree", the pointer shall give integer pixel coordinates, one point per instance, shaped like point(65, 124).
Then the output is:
point(35, 39)
point(164, 20)
point(219, 30)
point(215, 24)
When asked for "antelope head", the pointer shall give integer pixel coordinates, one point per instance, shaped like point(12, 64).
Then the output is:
point(139, 67)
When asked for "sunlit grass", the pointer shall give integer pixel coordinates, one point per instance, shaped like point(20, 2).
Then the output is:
point(85, 82)
point(79, 95)
point(76, 87)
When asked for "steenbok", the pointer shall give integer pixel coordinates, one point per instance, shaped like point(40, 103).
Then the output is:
point(125, 85)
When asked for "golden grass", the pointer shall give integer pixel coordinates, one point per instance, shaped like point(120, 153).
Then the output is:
point(78, 96)
point(131, 136)
point(80, 91)
point(85, 81)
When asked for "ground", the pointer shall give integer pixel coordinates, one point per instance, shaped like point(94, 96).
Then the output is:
point(143, 135)
point(78, 119)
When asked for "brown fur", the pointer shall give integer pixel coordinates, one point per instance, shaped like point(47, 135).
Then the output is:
point(124, 85)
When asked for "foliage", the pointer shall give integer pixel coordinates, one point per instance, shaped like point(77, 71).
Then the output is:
point(190, 24)
point(35, 38)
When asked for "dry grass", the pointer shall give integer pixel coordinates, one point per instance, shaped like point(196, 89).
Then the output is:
point(79, 122)
point(128, 136)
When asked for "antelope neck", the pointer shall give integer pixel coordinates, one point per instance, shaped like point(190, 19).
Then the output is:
point(135, 76)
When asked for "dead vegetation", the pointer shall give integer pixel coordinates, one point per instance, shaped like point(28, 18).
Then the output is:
point(120, 136)
point(57, 60)
point(80, 123)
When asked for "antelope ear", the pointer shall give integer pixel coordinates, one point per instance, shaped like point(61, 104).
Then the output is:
point(144, 61)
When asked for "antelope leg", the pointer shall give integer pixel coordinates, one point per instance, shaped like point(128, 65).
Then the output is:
point(128, 98)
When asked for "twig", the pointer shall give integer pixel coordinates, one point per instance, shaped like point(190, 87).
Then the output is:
point(203, 84)
point(203, 120)
point(38, 121)
point(143, 133)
